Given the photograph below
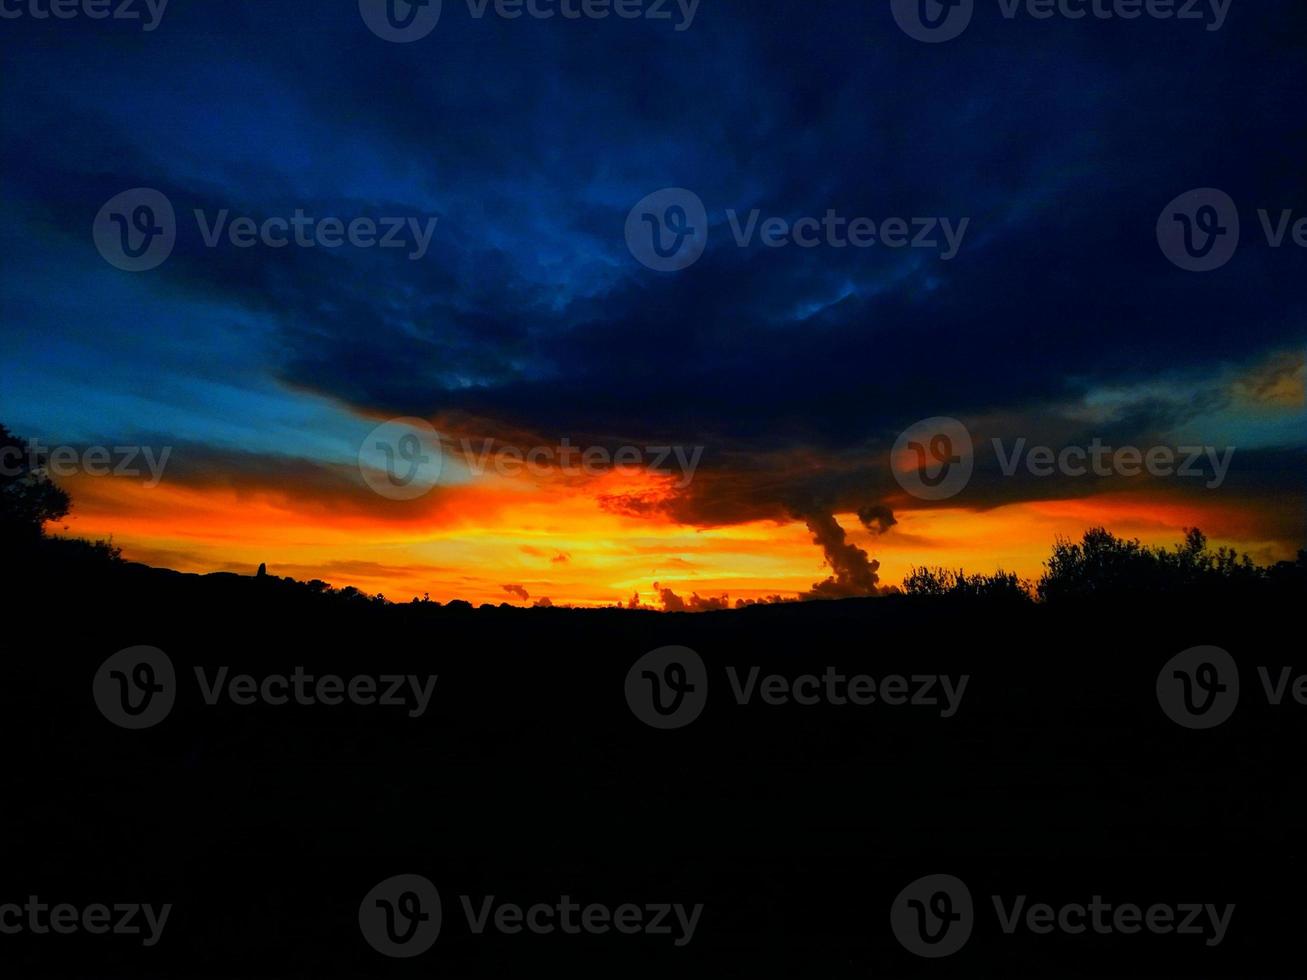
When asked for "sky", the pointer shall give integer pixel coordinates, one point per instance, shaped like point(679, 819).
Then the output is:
point(750, 404)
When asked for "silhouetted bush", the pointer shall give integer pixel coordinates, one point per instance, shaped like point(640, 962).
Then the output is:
point(1103, 564)
point(79, 549)
point(945, 582)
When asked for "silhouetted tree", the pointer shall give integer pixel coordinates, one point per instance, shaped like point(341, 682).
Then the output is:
point(28, 500)
point(1102, 564)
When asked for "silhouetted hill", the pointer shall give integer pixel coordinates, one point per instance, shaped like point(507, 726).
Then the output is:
point(1053, 770)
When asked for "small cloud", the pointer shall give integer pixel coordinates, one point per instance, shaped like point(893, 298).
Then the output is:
point(877, 518)
point(1277, 383)
point(558, 557)
point(696, 603)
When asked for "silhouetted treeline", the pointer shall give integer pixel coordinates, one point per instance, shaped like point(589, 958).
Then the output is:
point(1101, 564)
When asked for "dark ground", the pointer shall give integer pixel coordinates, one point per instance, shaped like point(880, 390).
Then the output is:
point(529, 777)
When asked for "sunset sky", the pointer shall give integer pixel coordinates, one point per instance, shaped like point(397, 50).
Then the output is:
point(789, 371)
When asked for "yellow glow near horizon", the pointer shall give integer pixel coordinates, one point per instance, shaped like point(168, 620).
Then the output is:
point(555, 540)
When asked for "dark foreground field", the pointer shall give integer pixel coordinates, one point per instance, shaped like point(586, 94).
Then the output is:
point(1056, 775)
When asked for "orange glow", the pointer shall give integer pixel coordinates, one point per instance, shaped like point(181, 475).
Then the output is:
point(554, 538)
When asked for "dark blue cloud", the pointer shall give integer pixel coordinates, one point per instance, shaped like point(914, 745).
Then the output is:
point(530, 141)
